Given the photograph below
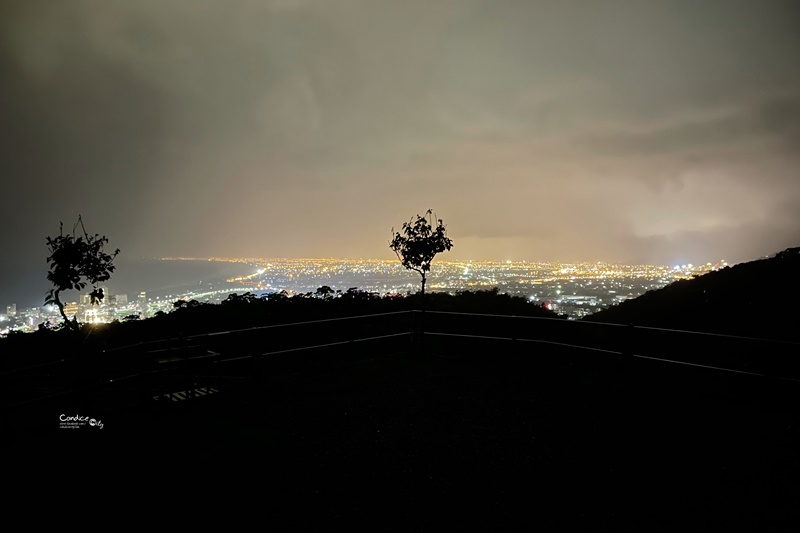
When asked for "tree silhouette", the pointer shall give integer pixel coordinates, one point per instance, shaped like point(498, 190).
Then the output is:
point(325, 293)
point(76, 260)
point(418, 242)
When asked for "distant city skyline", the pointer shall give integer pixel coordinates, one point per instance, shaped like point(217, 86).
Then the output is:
point(574, 290)
point(307, 274)
point(436, 261)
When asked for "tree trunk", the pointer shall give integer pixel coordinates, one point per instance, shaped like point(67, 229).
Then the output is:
point(423, 292)
point(67, 322)
point(421, 329)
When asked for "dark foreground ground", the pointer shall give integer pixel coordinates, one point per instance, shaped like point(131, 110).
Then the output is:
point(497, 440)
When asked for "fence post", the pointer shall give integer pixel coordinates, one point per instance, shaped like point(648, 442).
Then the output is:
point(417, 343)
point(628, 348)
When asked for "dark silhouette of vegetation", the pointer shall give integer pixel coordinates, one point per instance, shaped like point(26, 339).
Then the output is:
point(747, 299)
point(77, 259)
point(418, 242)
point(245, 310)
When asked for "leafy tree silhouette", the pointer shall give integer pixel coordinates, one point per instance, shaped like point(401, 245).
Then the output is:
point(418, 242)
point(76, 260)
point(325, 293)
point(235, 299)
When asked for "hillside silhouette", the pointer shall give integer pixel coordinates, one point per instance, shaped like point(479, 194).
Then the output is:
point(246, 310)
point(755, 298)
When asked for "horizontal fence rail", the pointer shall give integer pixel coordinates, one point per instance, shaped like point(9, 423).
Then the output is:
point(775, 358)
point(201, 364)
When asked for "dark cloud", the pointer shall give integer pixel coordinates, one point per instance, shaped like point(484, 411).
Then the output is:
point(773, 122)
point(611, 130)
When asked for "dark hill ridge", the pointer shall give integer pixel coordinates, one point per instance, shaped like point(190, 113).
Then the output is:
point(242, 311)
point(758, 299)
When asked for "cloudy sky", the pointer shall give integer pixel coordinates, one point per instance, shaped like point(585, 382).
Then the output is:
point(635, 131)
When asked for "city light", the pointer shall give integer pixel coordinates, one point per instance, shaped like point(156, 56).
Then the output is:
point(572, 289)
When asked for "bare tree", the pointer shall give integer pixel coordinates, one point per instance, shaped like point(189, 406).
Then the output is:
point(75, 260)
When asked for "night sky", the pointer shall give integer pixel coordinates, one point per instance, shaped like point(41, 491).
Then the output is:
point(659, 132)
